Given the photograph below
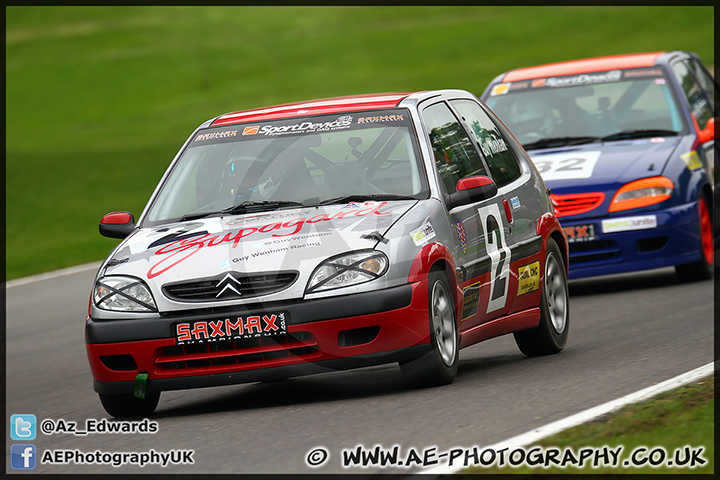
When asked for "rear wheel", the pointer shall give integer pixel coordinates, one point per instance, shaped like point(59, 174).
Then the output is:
point(440, 365)
point(127, 405)
point(551, 334)
point(703, 268)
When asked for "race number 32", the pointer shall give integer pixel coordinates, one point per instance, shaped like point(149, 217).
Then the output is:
point(499, 253)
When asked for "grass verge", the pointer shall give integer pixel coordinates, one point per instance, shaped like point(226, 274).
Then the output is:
point(678, 421)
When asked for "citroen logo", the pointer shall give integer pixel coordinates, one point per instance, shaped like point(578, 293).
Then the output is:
point(229, 284)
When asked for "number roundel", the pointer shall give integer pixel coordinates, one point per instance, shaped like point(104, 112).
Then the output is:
point(499, 253)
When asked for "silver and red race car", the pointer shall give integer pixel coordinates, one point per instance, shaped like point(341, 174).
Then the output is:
point(326, 235)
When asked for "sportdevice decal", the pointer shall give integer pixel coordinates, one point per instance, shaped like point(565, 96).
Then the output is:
point(423, 234)
point(528, 278)
point(629, 223)
point(460, 229)
point(176, 252)
point(499, 253)
point(566, 165)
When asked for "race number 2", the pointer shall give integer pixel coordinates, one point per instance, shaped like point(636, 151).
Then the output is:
point(499, 253)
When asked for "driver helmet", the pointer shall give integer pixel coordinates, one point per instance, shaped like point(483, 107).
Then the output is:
point(532, 116)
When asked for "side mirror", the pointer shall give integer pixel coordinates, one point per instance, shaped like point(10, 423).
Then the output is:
point(117, 224)
point(709, 133)
point(471, 190)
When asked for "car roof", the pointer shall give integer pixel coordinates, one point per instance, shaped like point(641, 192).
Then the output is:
point(585, 65)
point(314, 107)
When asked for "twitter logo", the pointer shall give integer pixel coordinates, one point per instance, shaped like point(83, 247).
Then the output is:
point(23, 427)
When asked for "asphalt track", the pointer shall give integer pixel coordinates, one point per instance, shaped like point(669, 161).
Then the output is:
point(627, 332)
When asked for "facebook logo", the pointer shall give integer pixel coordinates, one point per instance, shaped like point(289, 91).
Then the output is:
point(23, 427)
point(23, 457)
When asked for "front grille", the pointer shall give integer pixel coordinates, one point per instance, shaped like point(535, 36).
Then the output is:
point(229, 286)
point(596, 251)
point(259, 352)
point(576, 203)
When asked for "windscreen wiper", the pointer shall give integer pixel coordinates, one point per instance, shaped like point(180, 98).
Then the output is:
point(242, 208)
point(261, 206)
point(361, 198)
point(559, 142)
point(625, 134)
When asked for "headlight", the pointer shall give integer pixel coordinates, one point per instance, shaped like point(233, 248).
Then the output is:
point(123, 294)
point(642, 193)
point(347, 269)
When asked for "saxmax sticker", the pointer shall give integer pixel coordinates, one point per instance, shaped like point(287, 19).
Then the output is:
point(528, 278)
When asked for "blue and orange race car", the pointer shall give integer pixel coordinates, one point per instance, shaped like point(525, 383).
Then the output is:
point(626, 144)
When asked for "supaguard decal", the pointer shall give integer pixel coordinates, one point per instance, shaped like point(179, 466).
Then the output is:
point(175, 253)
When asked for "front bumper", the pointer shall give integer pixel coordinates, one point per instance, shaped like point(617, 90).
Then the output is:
point(323, 335)
point(674, 240)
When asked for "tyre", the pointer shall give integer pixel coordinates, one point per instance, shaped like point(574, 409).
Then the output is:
point(127, 405)
point(440, 365)
point(551, 333)
point(703, 268)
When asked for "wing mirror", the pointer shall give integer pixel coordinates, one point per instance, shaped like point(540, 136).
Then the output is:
point(709, 132)
point(471, 190)
point(117, 224)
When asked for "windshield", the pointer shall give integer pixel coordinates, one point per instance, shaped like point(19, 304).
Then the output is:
point(577, 109)
point(292, 162)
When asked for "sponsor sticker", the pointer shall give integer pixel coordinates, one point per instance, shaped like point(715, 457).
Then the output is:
point(540, 82)
point(580, 233)
point(381, 118)
point(566, 165)
point(423, 234)
point(461, 234)
point(692, 160)
point(515, 202)
point(528, 278)
point(629, 223)
point(500, 89)
point(261, 325)
point(584, 79)
point(216, 135)
point(471, 299)
point(251, 130)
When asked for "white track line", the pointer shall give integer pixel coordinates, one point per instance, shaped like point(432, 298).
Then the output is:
point(49, 275)
point(586, 415)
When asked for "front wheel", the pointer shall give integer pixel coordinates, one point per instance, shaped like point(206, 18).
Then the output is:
point(703, 268)
point(127, 405)
point(440, 365)
point(551, 334)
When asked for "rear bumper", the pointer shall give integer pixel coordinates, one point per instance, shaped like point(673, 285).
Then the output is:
point(674, 240)
point(322, 335)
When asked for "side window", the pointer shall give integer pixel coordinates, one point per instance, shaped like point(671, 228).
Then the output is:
point(503, 164)
point(698, 101)
point(455, 156)
point(706, 82)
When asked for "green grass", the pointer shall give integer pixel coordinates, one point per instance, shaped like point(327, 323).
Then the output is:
point(99, 99)
point(673, 420)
